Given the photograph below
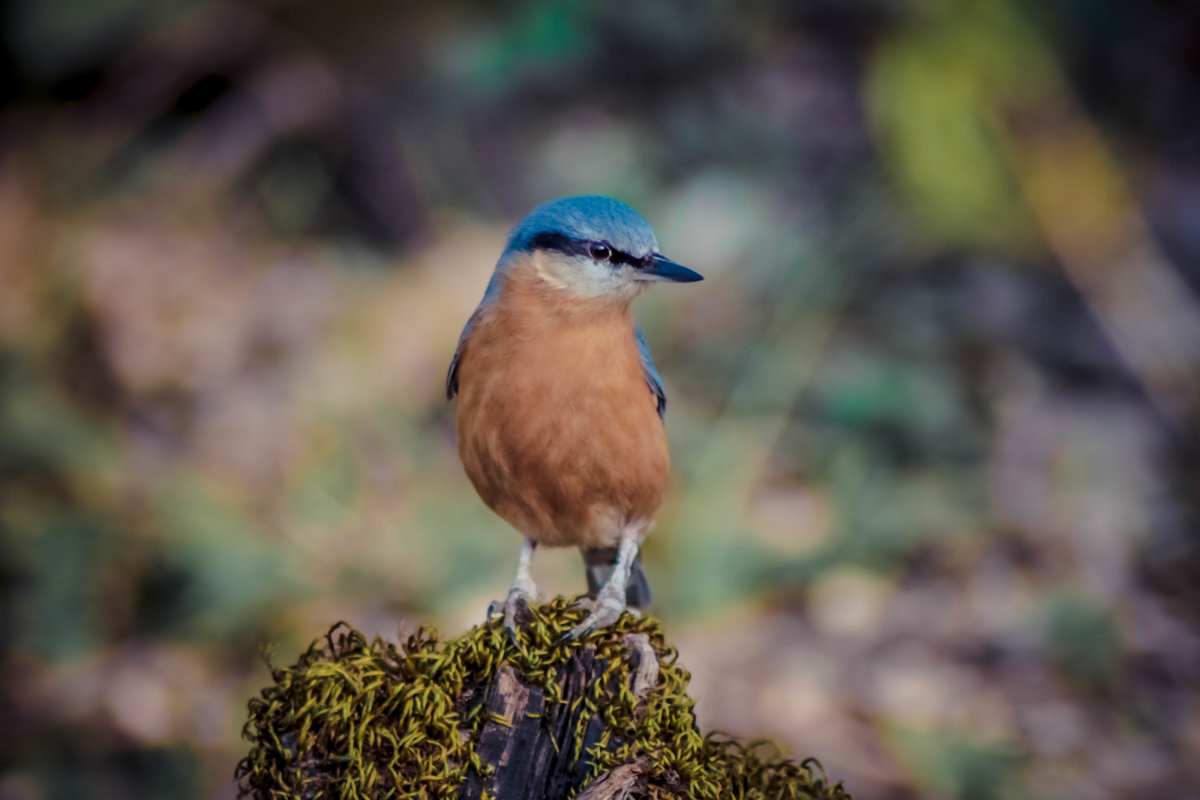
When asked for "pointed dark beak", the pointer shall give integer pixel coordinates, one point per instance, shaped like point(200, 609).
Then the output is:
point(664, 269)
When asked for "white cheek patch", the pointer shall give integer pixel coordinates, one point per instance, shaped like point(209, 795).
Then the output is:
point(545, 270)
point(583, 277)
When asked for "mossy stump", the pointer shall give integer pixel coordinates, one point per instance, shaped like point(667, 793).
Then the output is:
point(481, 716)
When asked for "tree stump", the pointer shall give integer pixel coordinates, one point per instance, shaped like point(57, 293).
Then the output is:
point(483, 716)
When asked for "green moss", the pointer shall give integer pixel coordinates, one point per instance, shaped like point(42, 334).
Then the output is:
point(359, 719)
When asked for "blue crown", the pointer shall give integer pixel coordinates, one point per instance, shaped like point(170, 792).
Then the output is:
point(589, 218)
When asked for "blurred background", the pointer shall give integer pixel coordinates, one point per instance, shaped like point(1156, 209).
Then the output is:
point(933, 413)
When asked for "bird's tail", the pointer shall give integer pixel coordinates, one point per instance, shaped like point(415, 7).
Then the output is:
point(599, 563)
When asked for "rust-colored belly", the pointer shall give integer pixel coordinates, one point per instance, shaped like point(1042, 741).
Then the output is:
point(559, 434)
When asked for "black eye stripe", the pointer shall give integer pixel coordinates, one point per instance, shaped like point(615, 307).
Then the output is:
point(558, 243)
point(618, 257)
point(578, 247)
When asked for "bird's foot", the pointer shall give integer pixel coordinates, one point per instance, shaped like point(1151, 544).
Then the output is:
point(589, 604)
point(602, 612)
point(514, 608)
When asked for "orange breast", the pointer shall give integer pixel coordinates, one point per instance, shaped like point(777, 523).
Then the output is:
point(557, 428)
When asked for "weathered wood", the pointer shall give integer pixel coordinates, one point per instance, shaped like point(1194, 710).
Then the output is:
point(532, 748)
point(620, 782)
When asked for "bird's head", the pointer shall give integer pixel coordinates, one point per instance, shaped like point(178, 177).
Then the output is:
point(591, 247)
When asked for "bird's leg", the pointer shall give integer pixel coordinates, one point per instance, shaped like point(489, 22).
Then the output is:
point(610, 601)
point(523, 588)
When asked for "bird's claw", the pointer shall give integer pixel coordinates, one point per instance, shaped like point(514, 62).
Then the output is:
point(514, 608)
point(587, 603)
point(603, 611)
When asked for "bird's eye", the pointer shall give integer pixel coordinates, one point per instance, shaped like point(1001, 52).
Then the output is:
point(600, 252)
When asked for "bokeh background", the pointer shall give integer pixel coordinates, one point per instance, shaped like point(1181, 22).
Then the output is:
point(933, 412)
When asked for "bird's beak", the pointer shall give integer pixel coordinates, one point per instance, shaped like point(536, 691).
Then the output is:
point(664, 269)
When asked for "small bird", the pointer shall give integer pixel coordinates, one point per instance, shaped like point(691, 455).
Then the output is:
point(560, 408)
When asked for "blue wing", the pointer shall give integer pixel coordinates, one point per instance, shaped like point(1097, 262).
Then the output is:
point(650, 373)
point(489, 295)
point(452, 373)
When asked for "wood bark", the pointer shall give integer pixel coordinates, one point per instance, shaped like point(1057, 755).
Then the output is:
point(531, 746)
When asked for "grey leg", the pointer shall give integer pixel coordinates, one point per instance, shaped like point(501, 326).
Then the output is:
point(610, 602)
point(523, 587)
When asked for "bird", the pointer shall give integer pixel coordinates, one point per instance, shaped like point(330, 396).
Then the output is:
point(559, 409)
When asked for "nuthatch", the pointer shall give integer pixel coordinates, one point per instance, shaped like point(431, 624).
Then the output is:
point(560, 407)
